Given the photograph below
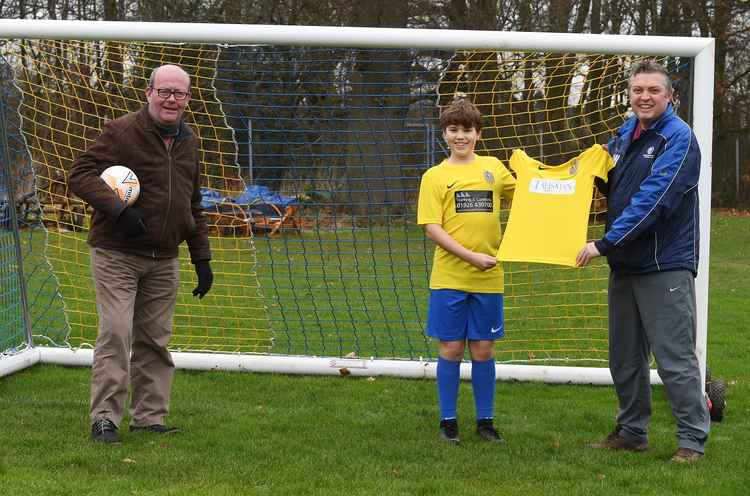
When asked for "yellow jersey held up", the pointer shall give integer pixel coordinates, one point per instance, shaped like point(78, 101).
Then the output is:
point(550, 210)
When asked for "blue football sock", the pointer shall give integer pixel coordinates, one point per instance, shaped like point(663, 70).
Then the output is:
point(483, 383)
point(448, 379)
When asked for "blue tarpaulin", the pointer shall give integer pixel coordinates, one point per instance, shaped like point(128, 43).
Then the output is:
point(210, 197)
point(262, 194)
point(252, 195)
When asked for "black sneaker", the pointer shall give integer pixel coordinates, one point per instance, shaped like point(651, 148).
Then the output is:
point(449, 431)
point(104, 431)
point(155, 429)
point(486, 430)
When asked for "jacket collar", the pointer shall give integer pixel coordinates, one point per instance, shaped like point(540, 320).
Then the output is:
point(628, 127)
point(148, 123)
point(659, 124)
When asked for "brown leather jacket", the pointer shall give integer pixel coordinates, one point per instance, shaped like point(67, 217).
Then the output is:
point(170, 197)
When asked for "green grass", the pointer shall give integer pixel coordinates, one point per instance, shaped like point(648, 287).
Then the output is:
point(274, 434)
point(365, 291)
point(325, 293)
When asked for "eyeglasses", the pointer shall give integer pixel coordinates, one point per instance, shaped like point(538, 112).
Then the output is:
point(166, 93)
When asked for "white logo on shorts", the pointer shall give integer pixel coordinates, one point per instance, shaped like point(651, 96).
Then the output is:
point(494, 330)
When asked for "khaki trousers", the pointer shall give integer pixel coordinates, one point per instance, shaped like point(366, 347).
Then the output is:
point(135, 300)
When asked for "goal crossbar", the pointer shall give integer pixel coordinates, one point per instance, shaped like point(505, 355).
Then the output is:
point(352, 37)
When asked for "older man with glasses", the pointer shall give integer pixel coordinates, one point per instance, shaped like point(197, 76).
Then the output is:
point(134, 252)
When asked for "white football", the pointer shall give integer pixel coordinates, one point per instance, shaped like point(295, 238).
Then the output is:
point(123, 181)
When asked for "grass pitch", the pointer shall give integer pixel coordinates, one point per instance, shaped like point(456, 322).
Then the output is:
point(276, 434)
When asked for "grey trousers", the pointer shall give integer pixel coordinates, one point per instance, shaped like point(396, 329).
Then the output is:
point(655, 313)
point(135, 300)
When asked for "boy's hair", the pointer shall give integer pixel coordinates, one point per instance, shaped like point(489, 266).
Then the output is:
point(651, 66)
point(461, 113)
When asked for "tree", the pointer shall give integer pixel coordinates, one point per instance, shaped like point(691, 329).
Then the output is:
point(728, 21)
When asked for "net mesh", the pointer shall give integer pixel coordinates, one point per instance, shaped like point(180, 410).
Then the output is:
point(311, 165)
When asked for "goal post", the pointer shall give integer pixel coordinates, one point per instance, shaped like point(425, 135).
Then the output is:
point(313, 140)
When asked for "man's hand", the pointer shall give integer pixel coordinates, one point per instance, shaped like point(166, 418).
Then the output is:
point(482, 261)
point(205, 278)
point(130, 222)
point(587, 253)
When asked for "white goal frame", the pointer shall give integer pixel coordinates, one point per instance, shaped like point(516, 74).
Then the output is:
point(700, 49)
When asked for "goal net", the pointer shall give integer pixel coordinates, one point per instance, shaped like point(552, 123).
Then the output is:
point(312, 157)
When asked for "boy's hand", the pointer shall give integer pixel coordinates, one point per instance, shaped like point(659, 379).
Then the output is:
point(482, 261)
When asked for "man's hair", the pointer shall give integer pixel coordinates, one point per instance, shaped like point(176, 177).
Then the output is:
point(461, 113)
point(152, 78)
point(650, 66)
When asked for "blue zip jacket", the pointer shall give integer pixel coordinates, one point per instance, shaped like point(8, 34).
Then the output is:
point(652, 198)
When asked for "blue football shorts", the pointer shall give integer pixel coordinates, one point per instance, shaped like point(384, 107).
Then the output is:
point(454, 315)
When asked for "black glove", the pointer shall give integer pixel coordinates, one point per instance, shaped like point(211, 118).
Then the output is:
point(130, 222)
point(205, 278)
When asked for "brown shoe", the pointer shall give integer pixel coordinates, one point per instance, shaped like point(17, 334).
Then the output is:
point(616, 442)
point(686, 455)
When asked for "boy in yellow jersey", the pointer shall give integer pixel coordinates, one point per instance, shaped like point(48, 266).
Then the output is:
point(459, 207)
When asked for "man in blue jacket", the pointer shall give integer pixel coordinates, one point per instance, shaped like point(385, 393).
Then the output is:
point(651, 245)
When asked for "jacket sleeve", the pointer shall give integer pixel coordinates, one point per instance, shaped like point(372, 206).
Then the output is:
point(84, 180)
point(674, 173)
point(198, 243)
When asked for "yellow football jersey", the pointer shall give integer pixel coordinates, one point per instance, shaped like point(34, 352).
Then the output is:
point(550, 210)
point(464, 199)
